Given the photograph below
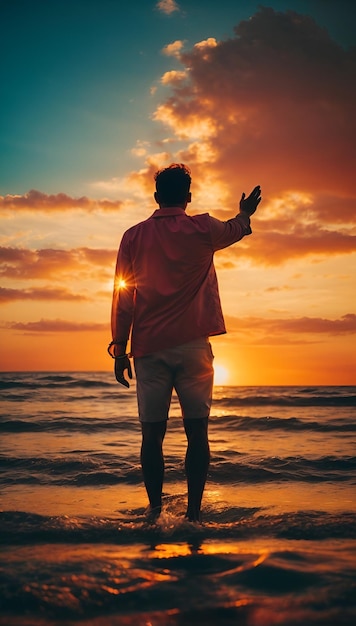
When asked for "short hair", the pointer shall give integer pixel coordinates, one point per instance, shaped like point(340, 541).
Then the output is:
point(173, 184)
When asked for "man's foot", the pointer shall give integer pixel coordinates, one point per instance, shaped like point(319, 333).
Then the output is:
point(193, 518)
point(152, 513)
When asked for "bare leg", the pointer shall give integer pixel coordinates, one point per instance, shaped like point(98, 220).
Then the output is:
point(196, 464)
point(152, 463)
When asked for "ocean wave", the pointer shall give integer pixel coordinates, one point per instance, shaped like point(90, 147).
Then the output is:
point(81, 424)
point(285, 469)
point(110, 469)
point(292, 400)
point(20, 527)
point(54, 382)
point(36, 381)
point(283, 396)
point(288, 424)
point(246, 423)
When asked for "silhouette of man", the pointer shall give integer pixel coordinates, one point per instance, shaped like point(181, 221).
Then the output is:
point(166, 295)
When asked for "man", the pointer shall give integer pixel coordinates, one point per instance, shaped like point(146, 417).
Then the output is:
point(166, 295)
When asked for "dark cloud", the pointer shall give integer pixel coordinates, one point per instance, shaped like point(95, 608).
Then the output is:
point(277, 104)
point(333, 209)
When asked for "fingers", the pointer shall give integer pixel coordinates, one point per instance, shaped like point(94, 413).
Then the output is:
point(255, 195)
point(123, 381)
point(256, 191)
point(120, 366)
point(119, 375)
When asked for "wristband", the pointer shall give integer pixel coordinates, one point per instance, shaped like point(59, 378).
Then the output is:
point(115, 343)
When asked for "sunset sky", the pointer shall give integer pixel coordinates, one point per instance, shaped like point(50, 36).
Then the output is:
point(96, 95)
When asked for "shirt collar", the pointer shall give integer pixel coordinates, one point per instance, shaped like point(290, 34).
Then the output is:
point(168, 211)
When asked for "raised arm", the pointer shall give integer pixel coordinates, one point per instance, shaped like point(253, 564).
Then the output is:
point(225, 234)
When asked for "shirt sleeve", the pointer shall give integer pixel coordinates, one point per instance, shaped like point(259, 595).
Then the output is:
point(224, 234)
point(123, 295)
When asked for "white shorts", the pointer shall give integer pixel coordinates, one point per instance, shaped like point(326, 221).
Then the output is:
point(188, 369)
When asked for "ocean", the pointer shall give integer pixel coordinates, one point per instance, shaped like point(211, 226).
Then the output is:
point(278, 541)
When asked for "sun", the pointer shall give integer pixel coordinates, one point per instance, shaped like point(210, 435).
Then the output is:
point(221, 374)
point(120, 283)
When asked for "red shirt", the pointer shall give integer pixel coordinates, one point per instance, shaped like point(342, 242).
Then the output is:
point(166, 289)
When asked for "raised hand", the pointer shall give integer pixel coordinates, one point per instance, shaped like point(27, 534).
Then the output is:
point(249, 205)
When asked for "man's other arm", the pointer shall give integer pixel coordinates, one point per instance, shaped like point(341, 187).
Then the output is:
point(123, 300)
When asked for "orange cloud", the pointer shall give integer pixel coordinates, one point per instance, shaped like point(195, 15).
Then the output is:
point(44, 293)
point(271, 330)
point(50, 326)
point(167, 6)
point(195, 125)
point(22, 263)
point(274, 248)
point(173, 77)
point(140, 149)
point(37, 201)
point(334, 209)
point(173, 49)
point(207, 43)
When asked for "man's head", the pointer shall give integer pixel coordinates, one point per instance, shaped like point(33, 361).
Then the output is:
point(172, 185)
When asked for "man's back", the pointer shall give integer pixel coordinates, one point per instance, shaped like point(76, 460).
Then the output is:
point(170, 259)
point(166, 290)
